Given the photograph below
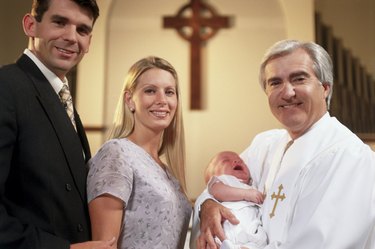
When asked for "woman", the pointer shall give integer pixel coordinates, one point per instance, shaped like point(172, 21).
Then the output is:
point(133, 194)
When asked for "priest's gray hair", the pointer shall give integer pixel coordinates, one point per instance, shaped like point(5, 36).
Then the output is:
point(322, 63)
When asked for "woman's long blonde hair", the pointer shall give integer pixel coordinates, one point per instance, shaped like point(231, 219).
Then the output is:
point(172, 146)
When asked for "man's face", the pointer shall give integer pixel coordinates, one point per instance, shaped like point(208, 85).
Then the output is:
point(62, 37)
point(295, 95)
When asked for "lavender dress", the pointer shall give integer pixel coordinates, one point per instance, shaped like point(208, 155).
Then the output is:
point(157, 214)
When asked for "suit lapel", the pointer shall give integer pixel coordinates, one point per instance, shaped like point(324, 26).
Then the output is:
point(67, 136)
point(82, 136)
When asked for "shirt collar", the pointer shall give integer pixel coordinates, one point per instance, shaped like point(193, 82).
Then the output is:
point(52, 78)
point(322, 121)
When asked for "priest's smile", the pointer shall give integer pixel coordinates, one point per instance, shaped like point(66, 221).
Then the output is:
point(288, 106)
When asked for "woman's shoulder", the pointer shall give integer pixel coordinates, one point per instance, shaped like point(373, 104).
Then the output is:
point(113, 148)
point(115, 145)
point(112, 156)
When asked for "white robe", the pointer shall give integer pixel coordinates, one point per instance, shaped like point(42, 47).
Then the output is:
point(328, 179)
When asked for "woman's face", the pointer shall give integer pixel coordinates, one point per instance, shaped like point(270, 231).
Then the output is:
point(154, 100)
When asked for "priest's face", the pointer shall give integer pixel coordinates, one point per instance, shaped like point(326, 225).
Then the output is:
point(229, 163)
point(295, 95)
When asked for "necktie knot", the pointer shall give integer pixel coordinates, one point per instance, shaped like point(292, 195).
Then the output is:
point(67, 101)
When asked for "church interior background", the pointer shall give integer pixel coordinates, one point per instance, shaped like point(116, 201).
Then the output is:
point(234, 108)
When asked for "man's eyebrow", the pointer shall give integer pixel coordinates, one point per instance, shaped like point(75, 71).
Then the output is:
point(273, 79)
point(57, 17)
point(86, 27)
point(299, 73)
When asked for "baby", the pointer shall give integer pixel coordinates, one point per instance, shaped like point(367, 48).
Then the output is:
point(229, 181)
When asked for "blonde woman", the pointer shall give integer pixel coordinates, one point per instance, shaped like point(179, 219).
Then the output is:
point(136, 182)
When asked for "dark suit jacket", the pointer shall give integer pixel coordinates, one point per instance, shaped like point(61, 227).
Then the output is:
point(42, 168)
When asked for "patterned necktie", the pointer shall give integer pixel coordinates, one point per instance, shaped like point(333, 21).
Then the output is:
point(67, 101)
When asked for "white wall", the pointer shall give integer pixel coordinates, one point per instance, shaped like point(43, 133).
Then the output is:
point(91, 79)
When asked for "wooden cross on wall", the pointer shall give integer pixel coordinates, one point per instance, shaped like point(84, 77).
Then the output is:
point(196, 22)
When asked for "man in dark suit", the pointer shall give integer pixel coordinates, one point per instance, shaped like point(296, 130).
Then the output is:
point(42, 151)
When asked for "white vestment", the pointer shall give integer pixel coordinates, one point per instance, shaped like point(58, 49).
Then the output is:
point(328, 184)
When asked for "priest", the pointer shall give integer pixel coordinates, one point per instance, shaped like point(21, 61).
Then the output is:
point(318, 177)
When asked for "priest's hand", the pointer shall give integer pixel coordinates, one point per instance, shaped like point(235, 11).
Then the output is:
point(212, 215)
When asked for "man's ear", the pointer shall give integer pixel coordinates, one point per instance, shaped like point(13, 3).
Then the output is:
point(29, 25)
point(327, 89)
point(88, 47)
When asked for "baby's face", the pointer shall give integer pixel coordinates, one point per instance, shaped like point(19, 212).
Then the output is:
point(230, 163)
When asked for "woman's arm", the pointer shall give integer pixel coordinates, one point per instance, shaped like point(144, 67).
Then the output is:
point(106, 215)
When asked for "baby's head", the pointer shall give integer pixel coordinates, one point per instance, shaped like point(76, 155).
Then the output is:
point(227, 163)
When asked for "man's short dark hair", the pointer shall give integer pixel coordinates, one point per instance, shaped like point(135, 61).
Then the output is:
point(39, 7)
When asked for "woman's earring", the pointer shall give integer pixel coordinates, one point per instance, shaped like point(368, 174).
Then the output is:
point(131, 109)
